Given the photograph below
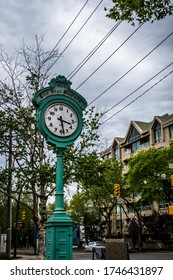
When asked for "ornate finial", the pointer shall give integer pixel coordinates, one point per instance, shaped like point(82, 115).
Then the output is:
point(59, 79)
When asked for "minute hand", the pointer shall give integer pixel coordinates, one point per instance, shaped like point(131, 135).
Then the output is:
point(65, 122)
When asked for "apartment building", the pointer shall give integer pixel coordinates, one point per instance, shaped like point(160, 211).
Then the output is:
point(139, 136)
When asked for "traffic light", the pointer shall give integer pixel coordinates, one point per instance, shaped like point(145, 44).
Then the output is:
point(170, 210)
point(116, 190)
point(172, 182)
point(23, 215)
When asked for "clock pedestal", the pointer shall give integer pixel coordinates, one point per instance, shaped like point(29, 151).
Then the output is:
point(59, 225)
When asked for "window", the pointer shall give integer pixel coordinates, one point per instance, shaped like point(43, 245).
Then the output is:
point(125, 164)
point(116, 152)
point(157, 133)
point(135, 146)
point(127, 151)
point(109, 156)
point(171, 131)
point(144, 207)
point(145, 142)
point(163, 204)
point(134, 135)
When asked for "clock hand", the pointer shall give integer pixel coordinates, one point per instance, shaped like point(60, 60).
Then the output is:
point(61, 120)
point(66, 122)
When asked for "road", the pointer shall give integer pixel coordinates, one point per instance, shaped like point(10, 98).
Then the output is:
point(28, 254)
point(160, 255)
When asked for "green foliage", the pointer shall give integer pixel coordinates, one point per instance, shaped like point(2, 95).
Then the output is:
point(95, 201)
point(140, 10)
point(145, 175)
point(82, 156)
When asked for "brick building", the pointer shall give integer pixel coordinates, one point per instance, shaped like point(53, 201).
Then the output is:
point(139, 136)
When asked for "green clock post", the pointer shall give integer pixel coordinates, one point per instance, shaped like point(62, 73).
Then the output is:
point(59, 112)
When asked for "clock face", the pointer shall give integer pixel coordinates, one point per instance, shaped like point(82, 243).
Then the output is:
point(61, 120)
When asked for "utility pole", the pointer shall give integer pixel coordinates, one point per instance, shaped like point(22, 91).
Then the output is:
point(9, 202)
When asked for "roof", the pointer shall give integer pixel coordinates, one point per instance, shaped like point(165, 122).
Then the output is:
point(144, 127)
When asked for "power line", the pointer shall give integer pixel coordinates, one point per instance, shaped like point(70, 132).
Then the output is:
point(68, 29)
point(86, 59)
point(137, 97)
point(109, 57)
point(138, 88)
point(75, 35)
point(131, 69)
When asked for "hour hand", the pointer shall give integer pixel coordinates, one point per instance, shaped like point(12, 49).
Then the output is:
point(62, 125)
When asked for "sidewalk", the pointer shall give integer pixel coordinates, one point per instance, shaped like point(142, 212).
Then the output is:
point(28, 254)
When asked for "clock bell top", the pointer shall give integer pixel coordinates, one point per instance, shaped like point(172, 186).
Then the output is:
point(59, 86)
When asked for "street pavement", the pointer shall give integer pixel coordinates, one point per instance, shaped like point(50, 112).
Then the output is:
point(28, 254)
point(160, 255)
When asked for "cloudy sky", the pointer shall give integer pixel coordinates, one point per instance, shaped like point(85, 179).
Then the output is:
point(110, 75)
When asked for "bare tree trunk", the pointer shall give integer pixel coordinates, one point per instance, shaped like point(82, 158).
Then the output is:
point(41, 243)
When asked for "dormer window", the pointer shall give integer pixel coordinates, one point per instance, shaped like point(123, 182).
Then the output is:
point(171, 131)
point(157, 133)
point(134, 135)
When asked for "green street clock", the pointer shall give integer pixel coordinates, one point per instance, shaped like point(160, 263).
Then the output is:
point(59, 112)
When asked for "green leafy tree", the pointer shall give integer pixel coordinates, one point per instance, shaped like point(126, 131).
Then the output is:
point(146, 173)
point(148, 179)
point(96, 179)
point(82, 213)
point(140, 10)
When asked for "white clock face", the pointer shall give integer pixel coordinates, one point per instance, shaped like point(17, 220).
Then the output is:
point(61, 119)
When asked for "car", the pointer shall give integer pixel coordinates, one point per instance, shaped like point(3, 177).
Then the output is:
point(94, 244)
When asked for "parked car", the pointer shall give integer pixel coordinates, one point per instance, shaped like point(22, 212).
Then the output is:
point(94, 244)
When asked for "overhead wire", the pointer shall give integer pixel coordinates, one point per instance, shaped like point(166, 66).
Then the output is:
point(67, 29)
point(93, 51)
point(75, 35)
point(101, 94)
point(109, 57)
point(137, 98)
point(130, 94)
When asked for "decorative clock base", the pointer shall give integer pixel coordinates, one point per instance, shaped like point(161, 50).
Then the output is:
point(59, 237)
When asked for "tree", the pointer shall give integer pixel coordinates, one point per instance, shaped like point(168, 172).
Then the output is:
point(81, 212)
point(145, 175)
point(140, 10)
point(148, 179)
point(96, 179)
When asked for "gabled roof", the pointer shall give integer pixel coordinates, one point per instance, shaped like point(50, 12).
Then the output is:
point(144, 126)
point(117, 140)
point(141, 127)
point(168, 120)
point(165, 119)
point(106, 151)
